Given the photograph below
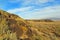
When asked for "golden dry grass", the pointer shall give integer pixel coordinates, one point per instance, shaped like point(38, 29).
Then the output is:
point(46, 30)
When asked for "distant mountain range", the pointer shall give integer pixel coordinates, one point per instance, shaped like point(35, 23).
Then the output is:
point(55, 18)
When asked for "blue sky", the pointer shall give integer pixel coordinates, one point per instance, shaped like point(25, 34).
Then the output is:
point(32, 9)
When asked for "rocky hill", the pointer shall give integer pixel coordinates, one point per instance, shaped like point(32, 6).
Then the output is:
point(13, 26)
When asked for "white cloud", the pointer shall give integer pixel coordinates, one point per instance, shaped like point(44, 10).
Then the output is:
point(24, 9)
point(48, 9)
point(36, 2)
point(46, 12)
point(44, 1)
point(26, 2)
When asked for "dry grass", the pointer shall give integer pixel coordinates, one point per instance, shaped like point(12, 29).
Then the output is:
point(46, 30)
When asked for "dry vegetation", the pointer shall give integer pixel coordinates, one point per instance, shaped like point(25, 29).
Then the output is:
point(46, 30)
point(12, 27)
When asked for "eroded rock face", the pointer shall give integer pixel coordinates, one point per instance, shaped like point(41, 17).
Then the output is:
point(16, 25)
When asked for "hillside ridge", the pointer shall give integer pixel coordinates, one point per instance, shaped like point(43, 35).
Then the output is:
point(15, 24)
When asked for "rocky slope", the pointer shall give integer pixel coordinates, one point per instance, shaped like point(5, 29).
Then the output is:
point(14, 25)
